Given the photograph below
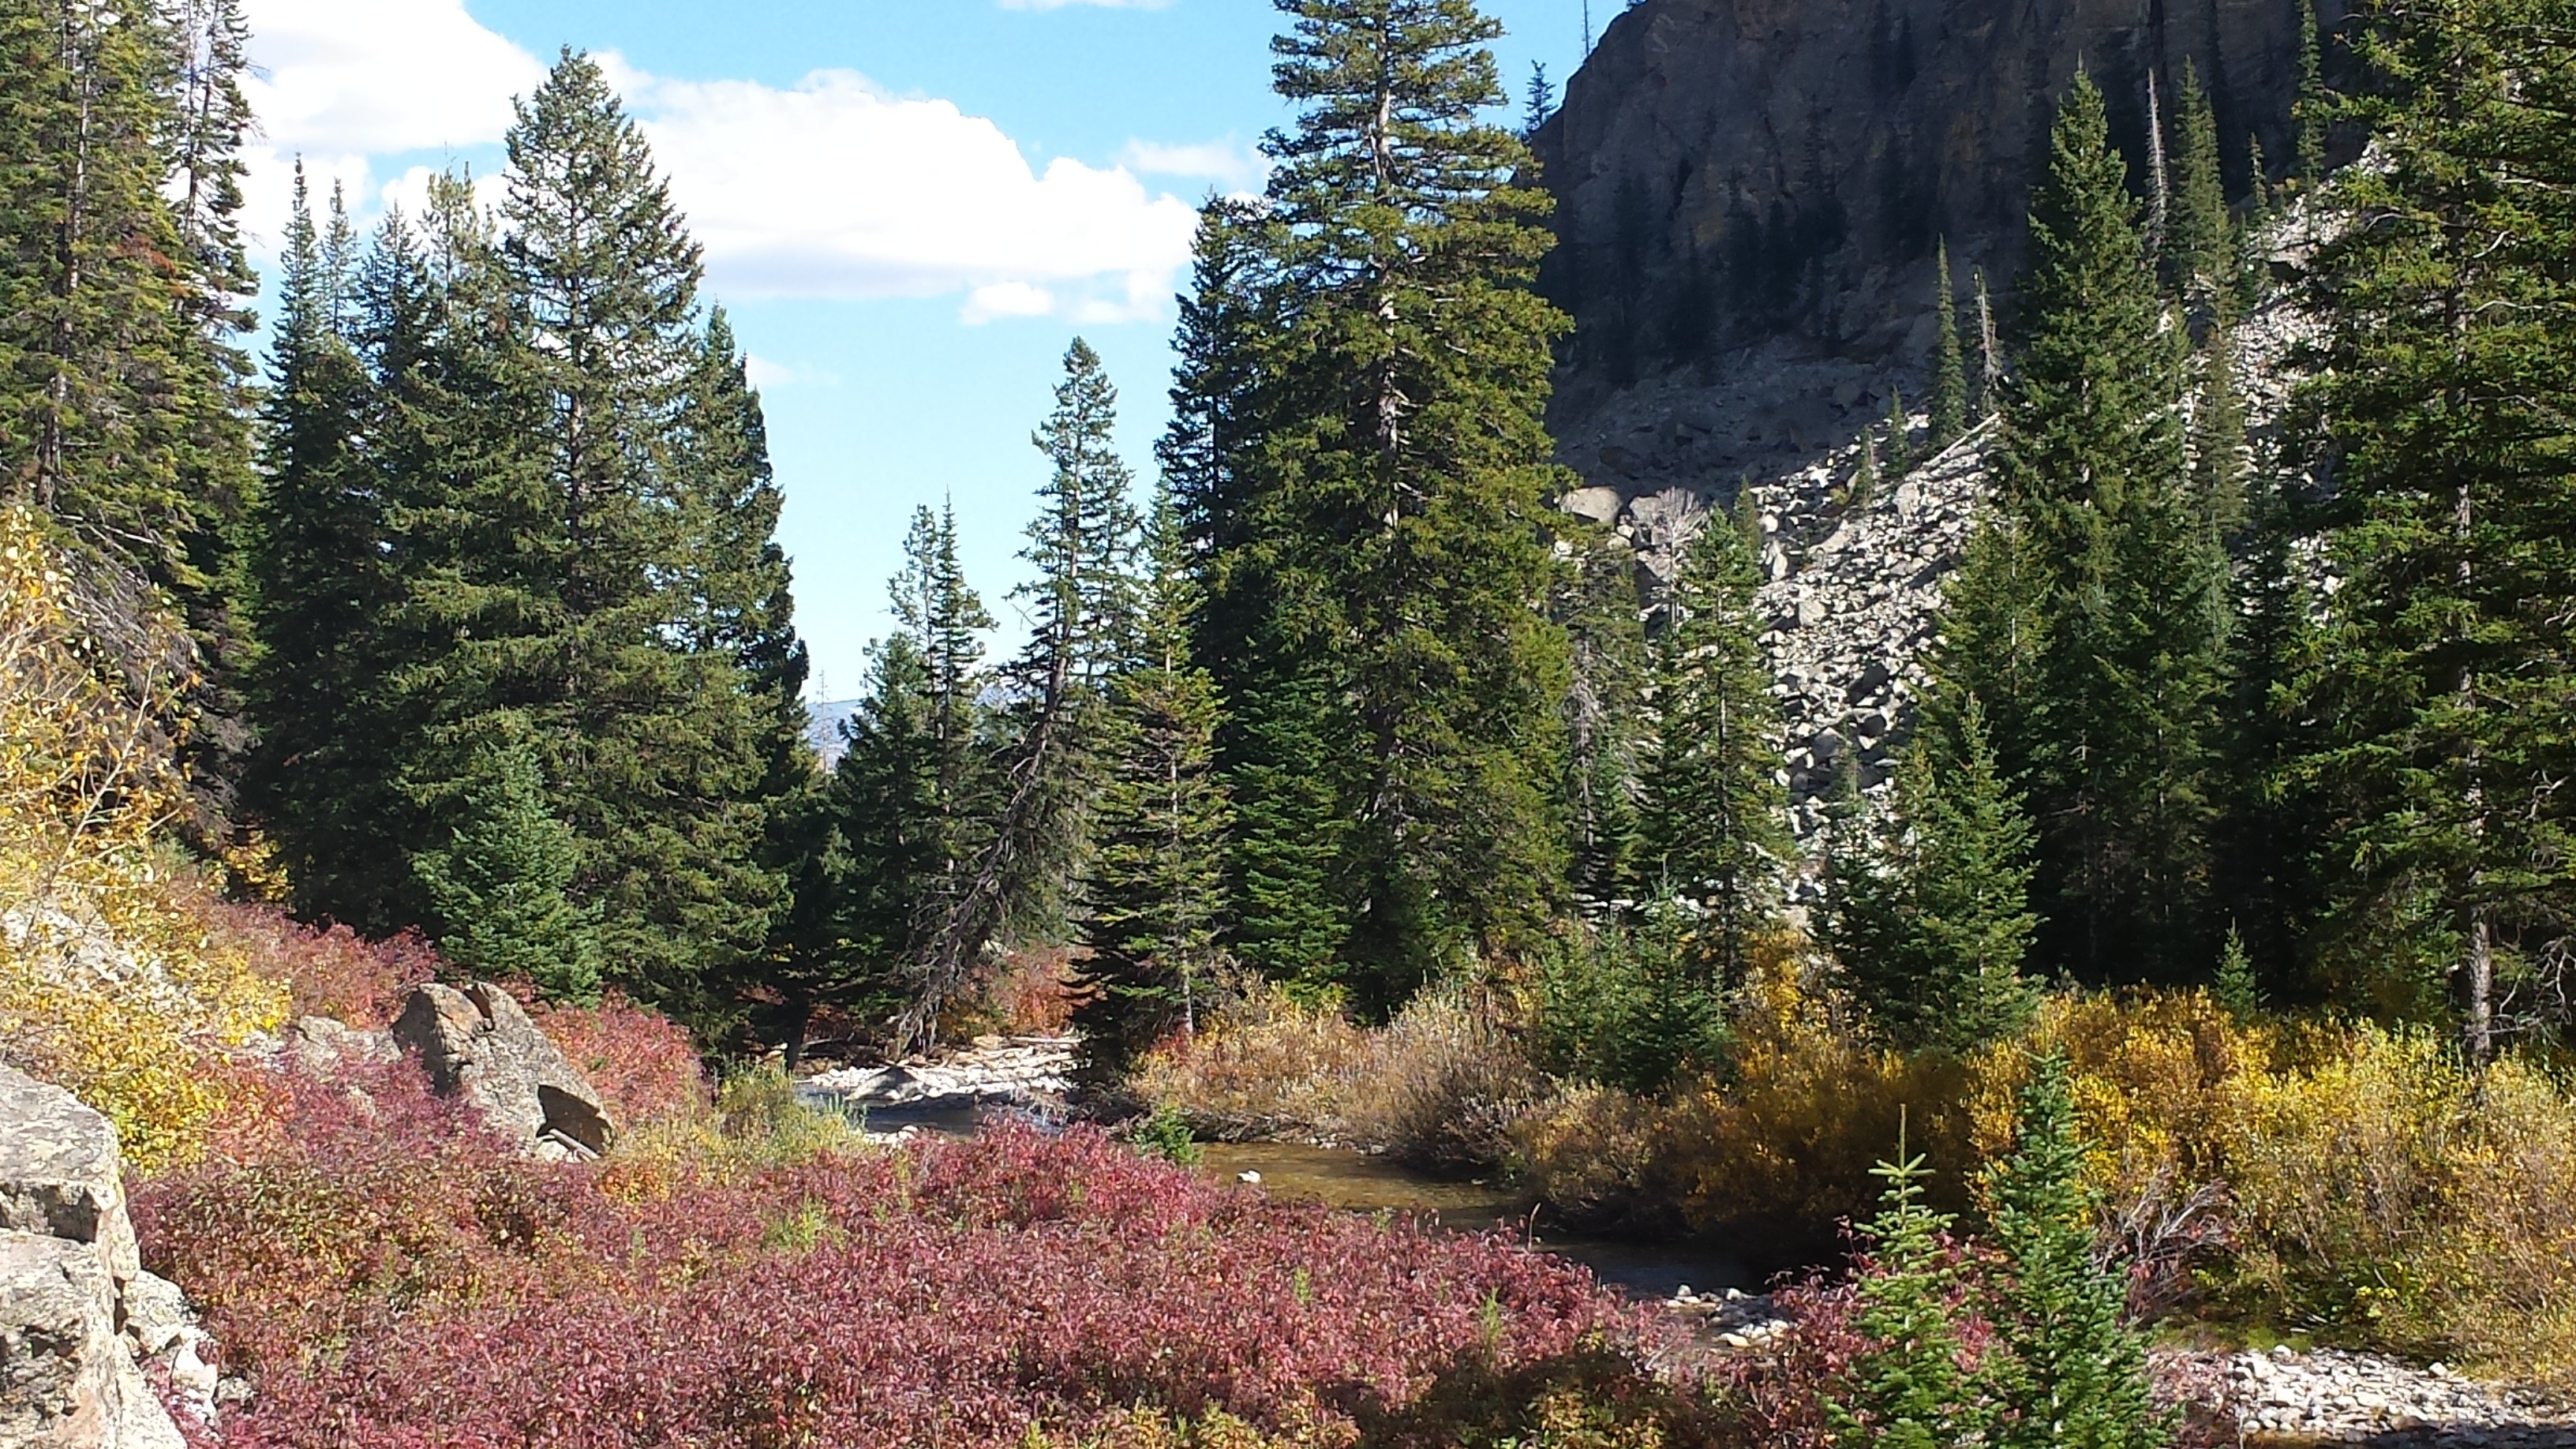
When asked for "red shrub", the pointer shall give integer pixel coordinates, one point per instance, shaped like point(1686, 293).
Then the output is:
point(390, 1276)
point(642, 1062)
point(328, 972)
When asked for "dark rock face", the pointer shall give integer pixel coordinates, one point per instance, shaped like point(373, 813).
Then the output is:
point(1750, 193)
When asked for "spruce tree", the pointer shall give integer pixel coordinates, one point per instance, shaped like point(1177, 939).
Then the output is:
point(1156, 897)
point(1931, 916)
point(2442, 671)
point(1604, 710)
point(2234, 987)
point(121, 409)
point(498, 883)
point(2093, 631)
point(1538, 100)
point(1949, 362)
point(2219, 462)
point(2197, 260)
point(2311, 107)
point(1900, 436)
point(1081, 611)
point(1714, 814)
point(1905, 1387)
point(323, 584)
point(2075, 1374)
point(1388, 563)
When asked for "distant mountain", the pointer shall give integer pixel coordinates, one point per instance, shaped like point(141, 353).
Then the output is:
point(824, 728)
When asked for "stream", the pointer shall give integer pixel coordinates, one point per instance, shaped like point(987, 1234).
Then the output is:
point(1358, 1182)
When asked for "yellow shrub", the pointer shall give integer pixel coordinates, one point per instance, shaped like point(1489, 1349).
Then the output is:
point(1266, 1066)
point(111, 985)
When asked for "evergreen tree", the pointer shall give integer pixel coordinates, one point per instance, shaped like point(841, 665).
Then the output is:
point(498, 883)
point(1082, 618)
point(2234, 987)
point(2442, 672)
point(2310, 109)
point(1900, 435)
point(1538, 102)
point(2197, 248)
point(1949, 362)
point(2093, 630)
point(881, 853)
point(1990, 357)
point(1905, 1388)
point(1931, 919)
point(1864, 483)
point(1157, 886)
point(2218, 449)
point(1714, 812)
point(1603, 713)
point(1387, 562)
point(2075, 1375)
point(323, 584)
point(121, 412)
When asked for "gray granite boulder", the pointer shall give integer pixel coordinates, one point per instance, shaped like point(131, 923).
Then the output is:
point(478, 1043)
point(68, 1372)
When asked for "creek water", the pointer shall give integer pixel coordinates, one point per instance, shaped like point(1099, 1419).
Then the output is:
point(1360, 1182)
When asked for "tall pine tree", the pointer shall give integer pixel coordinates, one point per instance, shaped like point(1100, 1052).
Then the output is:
point(1714, 813)
point(2091, 625)
point(1388, 567)
point(1156, 898)
point(2444, 666)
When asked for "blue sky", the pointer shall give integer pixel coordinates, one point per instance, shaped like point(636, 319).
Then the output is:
point(910, 208)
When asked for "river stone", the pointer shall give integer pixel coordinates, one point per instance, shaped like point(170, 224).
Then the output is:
point(479, 1044)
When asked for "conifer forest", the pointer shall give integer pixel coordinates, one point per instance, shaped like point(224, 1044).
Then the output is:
point(2174, 972)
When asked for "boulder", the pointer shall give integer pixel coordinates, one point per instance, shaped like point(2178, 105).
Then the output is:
point(478, 1043)
point(1599, 505)
point(319, 1046)
point(69, 1282)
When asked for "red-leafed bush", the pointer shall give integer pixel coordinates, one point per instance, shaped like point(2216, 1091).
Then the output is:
point(330, 972)
point(389, 1275)
point(642, 1062)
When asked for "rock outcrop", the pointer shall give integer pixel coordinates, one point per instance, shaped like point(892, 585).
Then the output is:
point(73, 1297)
point(478, 1043)
point(1750, 193)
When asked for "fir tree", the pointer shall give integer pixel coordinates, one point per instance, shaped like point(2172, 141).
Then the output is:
point(2442, 669)
point(2093, 631)
point(2234, 987)
point(323, 585)
point(498, 883)
point(1714, 813)
point(1900, 435)
point(1864, 483)
point(1931, 919)
point(1157, 885)
point(1604, 711)
point(2218, 447)
point(1081, 617)
point(1538, 100)
point(121, 411)
point(1949, 362)
point(2197, 240)
point(2311, 108)
point(2075, 1375)
point(1388, 562)
point(1905, 1388)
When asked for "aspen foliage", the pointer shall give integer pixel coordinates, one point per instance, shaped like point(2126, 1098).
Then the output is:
point(111, 983)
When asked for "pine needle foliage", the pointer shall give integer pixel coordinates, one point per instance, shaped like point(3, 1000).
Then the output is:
point(1907, 1388)
point(2074, 1374)
point(1930, 916)
point(2444, 395)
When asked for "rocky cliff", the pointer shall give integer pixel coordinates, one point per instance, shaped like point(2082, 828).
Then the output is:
point(1750, 193)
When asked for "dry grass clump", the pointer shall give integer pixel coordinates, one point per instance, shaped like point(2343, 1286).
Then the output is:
point(1444, 1084)
point(1263, 1066)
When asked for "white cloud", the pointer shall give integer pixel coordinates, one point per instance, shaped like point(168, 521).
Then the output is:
point(379, 76)
point(830, 188)
point(1238, 169)
point(837, 189)
point(769, 376)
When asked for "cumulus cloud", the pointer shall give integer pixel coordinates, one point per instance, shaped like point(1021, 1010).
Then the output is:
point(833, 187)
point(1237, 169)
